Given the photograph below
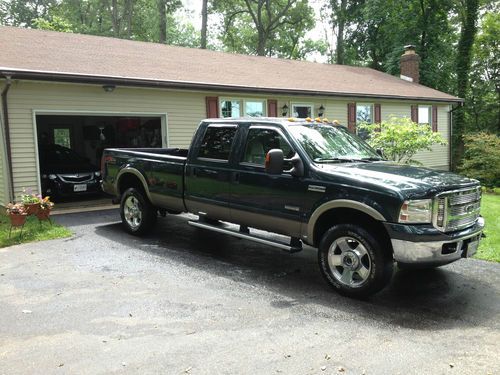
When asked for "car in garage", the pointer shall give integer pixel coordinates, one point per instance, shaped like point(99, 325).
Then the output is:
point(65, 173)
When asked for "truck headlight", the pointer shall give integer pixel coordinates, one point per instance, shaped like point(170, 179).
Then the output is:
point(416, 211)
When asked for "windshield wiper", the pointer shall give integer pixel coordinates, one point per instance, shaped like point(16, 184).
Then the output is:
point(340, 160)
point(372, 158)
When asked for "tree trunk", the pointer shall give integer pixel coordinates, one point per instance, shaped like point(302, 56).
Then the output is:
point(129, 10)
point(341, 20)
point(204, 19)
point(163, 21)
point(114, 18)
point(261, 44)
point(464, 58)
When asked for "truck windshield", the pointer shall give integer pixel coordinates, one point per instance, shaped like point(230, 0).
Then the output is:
point(329, 144)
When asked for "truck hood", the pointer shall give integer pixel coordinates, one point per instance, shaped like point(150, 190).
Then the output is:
point(410, 180)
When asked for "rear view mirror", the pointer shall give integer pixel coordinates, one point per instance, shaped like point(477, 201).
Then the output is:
point(297, 166)
point(274, 161)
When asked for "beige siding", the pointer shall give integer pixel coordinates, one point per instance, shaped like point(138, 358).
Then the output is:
point(184, 111)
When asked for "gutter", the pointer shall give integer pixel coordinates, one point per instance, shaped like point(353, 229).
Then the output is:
point(5, 111)
point(184, 85)
point(450, 122)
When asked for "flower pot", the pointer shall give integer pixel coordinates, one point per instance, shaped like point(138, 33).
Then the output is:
point(43, 214)
point(31, 208)
point(17, 220)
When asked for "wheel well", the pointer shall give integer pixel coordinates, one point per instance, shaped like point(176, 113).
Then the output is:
point(350, 216)
point(129, 180)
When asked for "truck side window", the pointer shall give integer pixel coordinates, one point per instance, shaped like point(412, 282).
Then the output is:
point(260, 141)
point(216, 143)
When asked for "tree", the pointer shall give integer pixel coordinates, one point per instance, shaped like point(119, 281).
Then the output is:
point(204, 19)
point(468, 19)
point(24, 12)
point(262, 27)
point(401, 138)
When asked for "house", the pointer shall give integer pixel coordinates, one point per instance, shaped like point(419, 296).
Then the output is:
point(88, 92)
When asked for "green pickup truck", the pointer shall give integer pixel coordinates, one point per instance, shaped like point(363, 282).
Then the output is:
point(310, 181)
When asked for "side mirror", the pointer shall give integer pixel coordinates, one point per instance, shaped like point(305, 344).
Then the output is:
point(274, 161)
point(297, 166)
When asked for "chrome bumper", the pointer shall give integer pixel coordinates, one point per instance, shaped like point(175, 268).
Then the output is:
point(435, 252)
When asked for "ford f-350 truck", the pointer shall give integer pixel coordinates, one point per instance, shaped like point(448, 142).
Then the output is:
point(311, 181)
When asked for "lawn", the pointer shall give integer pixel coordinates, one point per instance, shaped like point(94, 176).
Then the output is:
point(33, 231)
point(489, 249)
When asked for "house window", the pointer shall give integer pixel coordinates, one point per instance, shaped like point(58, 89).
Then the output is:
point(302, 110)
point(364, 114)
point(62, 137)
point(242, 107)
point(424, 114)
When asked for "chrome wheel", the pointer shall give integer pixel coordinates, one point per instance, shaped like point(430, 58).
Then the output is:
point(132, 212)
point(349, 261)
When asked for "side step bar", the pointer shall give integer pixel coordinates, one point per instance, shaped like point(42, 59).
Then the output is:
point(294, 246)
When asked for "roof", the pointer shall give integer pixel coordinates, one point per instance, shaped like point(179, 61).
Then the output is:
point(40, 54)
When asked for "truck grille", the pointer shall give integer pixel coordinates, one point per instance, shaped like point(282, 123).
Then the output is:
point(76, 178)
point(457, 209)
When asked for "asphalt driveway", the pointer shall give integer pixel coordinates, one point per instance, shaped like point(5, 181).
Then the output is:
point(184, 300)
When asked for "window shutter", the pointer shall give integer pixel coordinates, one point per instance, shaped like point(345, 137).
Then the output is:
point(212, 106)
point(272, 108)
point(351, 117)
point(434, 118)
point(414, 113)
point(377, 114)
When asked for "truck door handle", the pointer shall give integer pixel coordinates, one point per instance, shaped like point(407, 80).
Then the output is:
point(236, 177)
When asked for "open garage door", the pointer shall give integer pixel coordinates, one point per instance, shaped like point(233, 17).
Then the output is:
point(70, 149)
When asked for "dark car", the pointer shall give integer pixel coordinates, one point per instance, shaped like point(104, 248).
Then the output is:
point(64, 173)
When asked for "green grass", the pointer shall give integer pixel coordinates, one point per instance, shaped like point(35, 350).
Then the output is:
point(489, 248)
point(33, 231)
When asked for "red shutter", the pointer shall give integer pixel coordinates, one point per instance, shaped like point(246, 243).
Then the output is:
point(378, 113)
point(351, 117)
point(272, 108)
point(212, 106)
point(414, 113)
point(434, 118)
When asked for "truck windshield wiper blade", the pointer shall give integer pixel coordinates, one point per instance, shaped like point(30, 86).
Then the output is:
point(372, 158)
point(340, 160)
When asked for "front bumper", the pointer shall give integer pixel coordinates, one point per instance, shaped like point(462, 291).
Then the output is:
point(428, 246)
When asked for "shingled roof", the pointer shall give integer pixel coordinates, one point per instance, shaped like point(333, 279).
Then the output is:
point(48, 55)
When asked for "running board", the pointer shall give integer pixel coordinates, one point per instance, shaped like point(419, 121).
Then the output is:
point(297, 245)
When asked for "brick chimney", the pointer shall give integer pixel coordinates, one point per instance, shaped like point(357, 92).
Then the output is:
point(410, 65)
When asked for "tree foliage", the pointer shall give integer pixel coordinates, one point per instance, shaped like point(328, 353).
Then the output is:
point(401, 138)
point(482, 158)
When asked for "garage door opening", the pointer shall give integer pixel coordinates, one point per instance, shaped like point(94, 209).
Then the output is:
point(70, 149)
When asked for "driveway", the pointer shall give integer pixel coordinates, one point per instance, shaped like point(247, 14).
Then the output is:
point(187, 301)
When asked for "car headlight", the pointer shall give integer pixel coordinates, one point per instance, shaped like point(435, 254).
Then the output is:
point(52, 176)
point(97, 174)
point(416, 211)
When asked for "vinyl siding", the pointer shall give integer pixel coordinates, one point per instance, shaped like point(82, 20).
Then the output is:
point(184, 111)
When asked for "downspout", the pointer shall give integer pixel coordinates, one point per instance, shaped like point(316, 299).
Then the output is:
point(450, 122)
point(5, 110)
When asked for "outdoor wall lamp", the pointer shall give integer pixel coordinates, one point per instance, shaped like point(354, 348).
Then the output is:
point(284, 110)
point(321, 111)
point(108, 88)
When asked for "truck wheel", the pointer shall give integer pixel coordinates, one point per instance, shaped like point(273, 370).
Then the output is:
point(137, 213)
point(353, 261)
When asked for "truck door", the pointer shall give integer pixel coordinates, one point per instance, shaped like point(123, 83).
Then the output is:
point(261, 200)
point(208, 173)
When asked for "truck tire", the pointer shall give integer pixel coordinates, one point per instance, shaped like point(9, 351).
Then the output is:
point(353, 261)
point(137, 213)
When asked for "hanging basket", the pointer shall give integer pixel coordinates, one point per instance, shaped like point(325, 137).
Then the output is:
point(17, 220)
point(43, 214)
point(32, 208)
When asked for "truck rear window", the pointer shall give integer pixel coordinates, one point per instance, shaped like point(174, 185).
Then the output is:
point(216, 143)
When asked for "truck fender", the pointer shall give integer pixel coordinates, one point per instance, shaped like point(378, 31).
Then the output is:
point(136, 173)
point(339, 203)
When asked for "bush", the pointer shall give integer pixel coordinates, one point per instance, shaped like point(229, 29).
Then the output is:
point(482, 158)
point(400, 138)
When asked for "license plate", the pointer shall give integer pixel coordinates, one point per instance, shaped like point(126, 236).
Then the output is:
point(472, 248)
point(80, 187)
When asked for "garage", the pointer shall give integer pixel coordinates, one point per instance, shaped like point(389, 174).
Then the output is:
point(70, 148)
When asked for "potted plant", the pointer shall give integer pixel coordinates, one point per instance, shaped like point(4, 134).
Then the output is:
point(31, 203)
point(17, 214)
point(43, 212)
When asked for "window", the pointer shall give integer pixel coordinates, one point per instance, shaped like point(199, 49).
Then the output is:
point(62, 137)
point(364, 113)
point(216, 143)
point(242, 107)
point(230, 108)
point(424, 114)
point(302, 110)
point(260, 141)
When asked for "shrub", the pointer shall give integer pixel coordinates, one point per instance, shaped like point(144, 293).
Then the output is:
point(400, 138)
point(482, 158)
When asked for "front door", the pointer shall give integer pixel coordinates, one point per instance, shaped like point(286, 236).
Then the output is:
point(261, 200)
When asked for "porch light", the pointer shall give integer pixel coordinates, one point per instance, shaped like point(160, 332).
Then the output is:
point(108, 88)
point(284, 110)
point(321, 111)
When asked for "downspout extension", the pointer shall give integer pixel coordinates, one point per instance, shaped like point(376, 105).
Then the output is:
point(5, 110)
point(450, 122)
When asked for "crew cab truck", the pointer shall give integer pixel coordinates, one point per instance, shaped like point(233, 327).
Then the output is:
point(311, 181)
